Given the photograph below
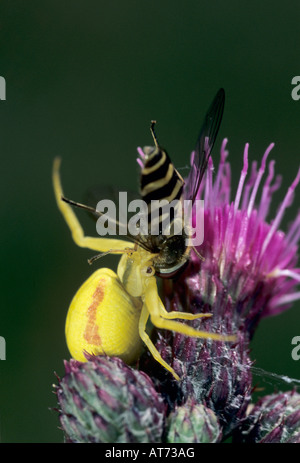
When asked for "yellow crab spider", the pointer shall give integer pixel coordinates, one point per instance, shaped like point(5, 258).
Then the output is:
point(109, 313)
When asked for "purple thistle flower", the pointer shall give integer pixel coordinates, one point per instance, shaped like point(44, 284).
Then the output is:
point(249, 272)
point(242, 251)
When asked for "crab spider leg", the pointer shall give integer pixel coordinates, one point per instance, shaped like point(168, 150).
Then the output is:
point(97, 244)
point(158, 319)
point(180, 315)
point(145, 338)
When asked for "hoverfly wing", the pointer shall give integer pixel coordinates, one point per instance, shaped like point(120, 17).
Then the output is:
point(110, 192)
point(95, 194)
point(204, 145)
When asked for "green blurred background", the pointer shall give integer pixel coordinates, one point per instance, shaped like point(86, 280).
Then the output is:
point(83, 81)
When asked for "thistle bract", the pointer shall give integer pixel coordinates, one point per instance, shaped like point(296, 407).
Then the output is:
point(193, 423)
point(274, 419)
point(103, 400)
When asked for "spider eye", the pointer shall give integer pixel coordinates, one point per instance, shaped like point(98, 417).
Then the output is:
point(149, 270)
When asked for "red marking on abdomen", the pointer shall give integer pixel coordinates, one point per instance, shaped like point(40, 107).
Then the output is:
point(91, 330)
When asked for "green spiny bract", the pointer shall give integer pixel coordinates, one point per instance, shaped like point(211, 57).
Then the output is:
point(103, 400)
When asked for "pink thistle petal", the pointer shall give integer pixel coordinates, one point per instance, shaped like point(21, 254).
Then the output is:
point(287, 299)
point(249, 185)
point(293, 234)
point(258, 178)
point(141, 152)
point(140, 163)
point(242, 178)
point(286, 203)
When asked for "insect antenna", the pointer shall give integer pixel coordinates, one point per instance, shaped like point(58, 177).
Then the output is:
point(98, 256)
point(198, 254)
point(102, 254)
point(153, 133)
point(82, 206)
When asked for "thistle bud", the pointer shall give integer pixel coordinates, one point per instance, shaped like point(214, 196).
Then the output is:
point(103, 400)
point(193, 423)
point(274, 419)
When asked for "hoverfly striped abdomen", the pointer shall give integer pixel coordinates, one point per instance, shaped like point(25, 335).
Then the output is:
point(161, 186)
point(159, 178)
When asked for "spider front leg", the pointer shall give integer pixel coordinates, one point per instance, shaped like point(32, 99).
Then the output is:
point(114, 246)
point(145, 338)
point(163, 319)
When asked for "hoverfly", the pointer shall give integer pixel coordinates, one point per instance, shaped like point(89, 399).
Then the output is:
point(109, 313)
point(160, 180)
